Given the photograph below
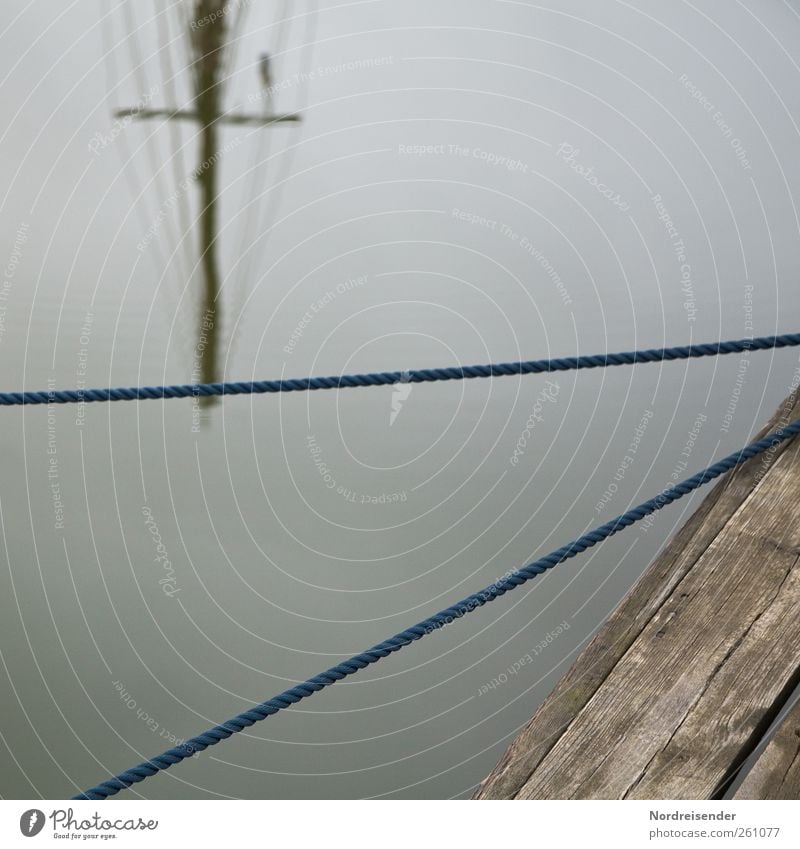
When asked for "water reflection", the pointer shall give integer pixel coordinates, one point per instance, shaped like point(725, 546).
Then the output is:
point(427, 219)
point(208, 44)
point(211, 40)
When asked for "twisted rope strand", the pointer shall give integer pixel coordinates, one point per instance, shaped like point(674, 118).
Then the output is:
point(384, 378)
point(508, 582)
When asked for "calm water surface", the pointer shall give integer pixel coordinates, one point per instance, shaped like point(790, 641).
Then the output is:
point(470, 182)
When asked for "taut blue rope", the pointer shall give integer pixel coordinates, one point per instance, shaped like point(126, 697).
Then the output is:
point(439, 620)
point(384, 378)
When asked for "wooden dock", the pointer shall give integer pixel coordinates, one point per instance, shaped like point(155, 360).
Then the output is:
point(678, 687)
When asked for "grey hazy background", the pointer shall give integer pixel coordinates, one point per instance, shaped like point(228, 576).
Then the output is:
point(278, 575)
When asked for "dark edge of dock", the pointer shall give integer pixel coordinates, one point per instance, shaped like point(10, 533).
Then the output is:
point(679, 685)
point(776, 772)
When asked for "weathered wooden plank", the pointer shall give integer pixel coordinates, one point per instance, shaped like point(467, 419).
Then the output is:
point(679, 706)
point(627, 624)
point(776, 773)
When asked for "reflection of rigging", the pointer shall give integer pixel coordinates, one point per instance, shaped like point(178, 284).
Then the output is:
point(258, 226)
point(129, 171)
point(264, 63)
point(211, 68)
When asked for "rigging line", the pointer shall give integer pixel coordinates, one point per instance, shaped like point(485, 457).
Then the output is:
point(176, 137)
point(255, 171)
point(187, 297)
point(255, 161)
point(151, 146)
point(263, 220)
point(234, 36)
point(388, 378)
point(128, 163)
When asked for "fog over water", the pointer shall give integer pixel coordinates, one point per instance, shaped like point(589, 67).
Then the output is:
point(471, 182)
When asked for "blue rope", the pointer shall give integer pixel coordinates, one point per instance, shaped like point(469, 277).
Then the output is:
point(384, 378)
point(444, 617)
